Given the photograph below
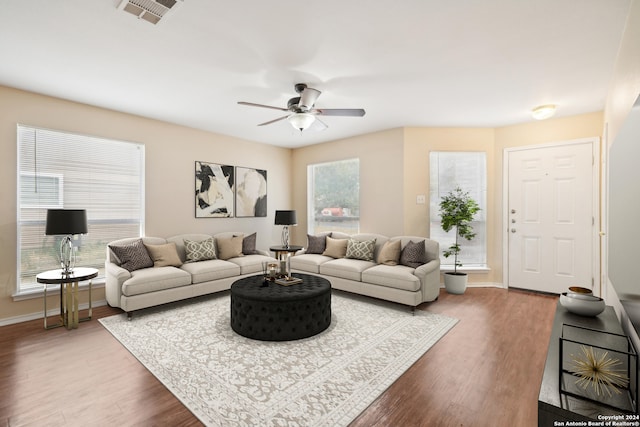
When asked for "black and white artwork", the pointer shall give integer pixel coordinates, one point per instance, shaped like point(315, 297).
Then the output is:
point(251, 192)
point(214, 190)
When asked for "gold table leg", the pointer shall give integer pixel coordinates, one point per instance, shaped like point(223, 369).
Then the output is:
point(61, 321)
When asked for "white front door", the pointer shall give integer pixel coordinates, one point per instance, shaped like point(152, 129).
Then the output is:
point(551, 217)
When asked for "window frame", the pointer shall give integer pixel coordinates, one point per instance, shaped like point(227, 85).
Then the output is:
point(43, 152)
point(350, 216)
point(479, 193)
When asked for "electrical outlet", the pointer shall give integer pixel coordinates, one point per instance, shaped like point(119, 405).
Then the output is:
point(421, 199)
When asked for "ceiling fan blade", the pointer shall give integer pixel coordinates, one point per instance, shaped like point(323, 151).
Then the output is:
point(273, 121)
point(308, 97)
point(253, 104)
point(345, 112)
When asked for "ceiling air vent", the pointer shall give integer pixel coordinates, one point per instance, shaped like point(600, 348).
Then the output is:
point(149, 10)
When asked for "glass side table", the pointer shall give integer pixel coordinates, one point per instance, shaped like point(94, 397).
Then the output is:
point(69, 310)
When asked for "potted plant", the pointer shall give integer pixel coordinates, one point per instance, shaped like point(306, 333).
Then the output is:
point(457, 209)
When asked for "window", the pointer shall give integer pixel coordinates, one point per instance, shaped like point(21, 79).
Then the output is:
point(468, 170)
point(70, 171)
point(334, 197)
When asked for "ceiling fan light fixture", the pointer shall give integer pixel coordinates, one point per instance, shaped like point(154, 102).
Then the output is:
point(543, 111)
point(301, 121)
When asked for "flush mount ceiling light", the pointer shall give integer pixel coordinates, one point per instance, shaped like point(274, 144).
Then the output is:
point(301, 121)
point(543, 111)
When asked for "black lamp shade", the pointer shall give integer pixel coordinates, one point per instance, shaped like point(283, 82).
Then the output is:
point(66, 222)
point(286, 218)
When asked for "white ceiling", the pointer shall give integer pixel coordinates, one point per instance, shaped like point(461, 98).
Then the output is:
point(463, 63)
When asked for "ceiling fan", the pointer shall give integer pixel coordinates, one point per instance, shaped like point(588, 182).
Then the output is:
point(302, 114)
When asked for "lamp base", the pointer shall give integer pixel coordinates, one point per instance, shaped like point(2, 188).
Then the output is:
point(285, 236)
point(67, 255)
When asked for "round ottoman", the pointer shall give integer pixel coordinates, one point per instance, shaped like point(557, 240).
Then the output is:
point(280, 313)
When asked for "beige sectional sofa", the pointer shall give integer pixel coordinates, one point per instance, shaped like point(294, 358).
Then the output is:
point(177, 267)
point(388, 271)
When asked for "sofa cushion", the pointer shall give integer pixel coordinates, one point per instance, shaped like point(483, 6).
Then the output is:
point(132, 256)
point(308, 262)
point(316, 244)
point(249, 244)
point(345, 268)
point(397, 276)
point(229, 247)
point(200, 251)
point(251, 263)
point(204, 271)
point(413, 254)
point(362, 250)
point(336, 248)
point(155, 279)
point(390, 253)
point(164, 255)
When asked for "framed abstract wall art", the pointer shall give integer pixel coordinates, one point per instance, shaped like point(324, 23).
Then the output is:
point(251, 192)
point(214, 190)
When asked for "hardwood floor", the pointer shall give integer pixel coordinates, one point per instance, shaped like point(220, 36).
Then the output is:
point(485, 372)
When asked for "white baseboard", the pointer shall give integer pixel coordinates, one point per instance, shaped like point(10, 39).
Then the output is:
point(52, 312)
point(482, 285)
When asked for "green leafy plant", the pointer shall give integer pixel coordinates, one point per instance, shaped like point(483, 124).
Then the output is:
point(457, 209)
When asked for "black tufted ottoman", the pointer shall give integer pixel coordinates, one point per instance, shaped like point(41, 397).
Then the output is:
point(280, 313)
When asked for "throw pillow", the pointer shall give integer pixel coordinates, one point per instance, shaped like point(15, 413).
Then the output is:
point(336, 248)
point(133, 256)
point(200, 251)
point(413, 254)
point(316, 244)
point(229, 247)
point(362, 250)
point(164, 255)
point(249, 244)
point(390, 253)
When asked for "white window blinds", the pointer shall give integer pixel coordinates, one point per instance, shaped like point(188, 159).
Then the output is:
point(71, 171)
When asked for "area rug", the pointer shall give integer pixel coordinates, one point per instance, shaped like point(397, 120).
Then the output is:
point(326, 380)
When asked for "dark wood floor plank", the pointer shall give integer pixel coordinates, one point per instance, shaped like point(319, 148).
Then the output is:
point(485, 372)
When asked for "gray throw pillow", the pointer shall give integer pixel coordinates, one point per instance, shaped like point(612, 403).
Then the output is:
point(200, 251)
point(316, 244)
point(361, 250)
point(133, 256)
point(413, 254)
point(249, 244)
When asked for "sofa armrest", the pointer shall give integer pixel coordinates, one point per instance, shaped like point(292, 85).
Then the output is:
point(429, 275)
point(115, 276)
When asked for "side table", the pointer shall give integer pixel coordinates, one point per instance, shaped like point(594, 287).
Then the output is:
point(282, 252)
point(282, 255)
point(69, 316)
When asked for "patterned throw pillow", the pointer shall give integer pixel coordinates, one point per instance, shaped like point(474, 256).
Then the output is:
point(164, 255)
point(413, 254)
point(200, 251)
point(361, 250)
point(336, 248)
point(249, 244)
point(317, 244)
point(133, 256)
point(390, 253)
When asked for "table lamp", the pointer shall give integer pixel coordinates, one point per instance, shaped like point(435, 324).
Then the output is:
point(66, 222)
point(286, 218)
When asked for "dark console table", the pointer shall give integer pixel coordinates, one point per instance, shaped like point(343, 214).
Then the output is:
point(553, 409)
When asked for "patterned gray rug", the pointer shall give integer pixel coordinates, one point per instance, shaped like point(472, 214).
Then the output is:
point(326, 380)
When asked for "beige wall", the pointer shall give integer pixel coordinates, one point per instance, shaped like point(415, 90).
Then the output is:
point(381, 180)
point(171, 152)
point(623, 92)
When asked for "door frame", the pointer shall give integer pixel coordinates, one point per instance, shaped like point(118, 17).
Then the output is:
point(595, 229)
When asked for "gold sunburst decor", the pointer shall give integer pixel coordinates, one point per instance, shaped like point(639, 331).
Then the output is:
point(598, 371)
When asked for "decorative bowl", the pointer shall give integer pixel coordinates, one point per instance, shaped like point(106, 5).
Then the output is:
point(583, 305)
point(579, 290)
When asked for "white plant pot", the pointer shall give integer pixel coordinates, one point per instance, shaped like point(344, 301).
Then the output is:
point(455, 283)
